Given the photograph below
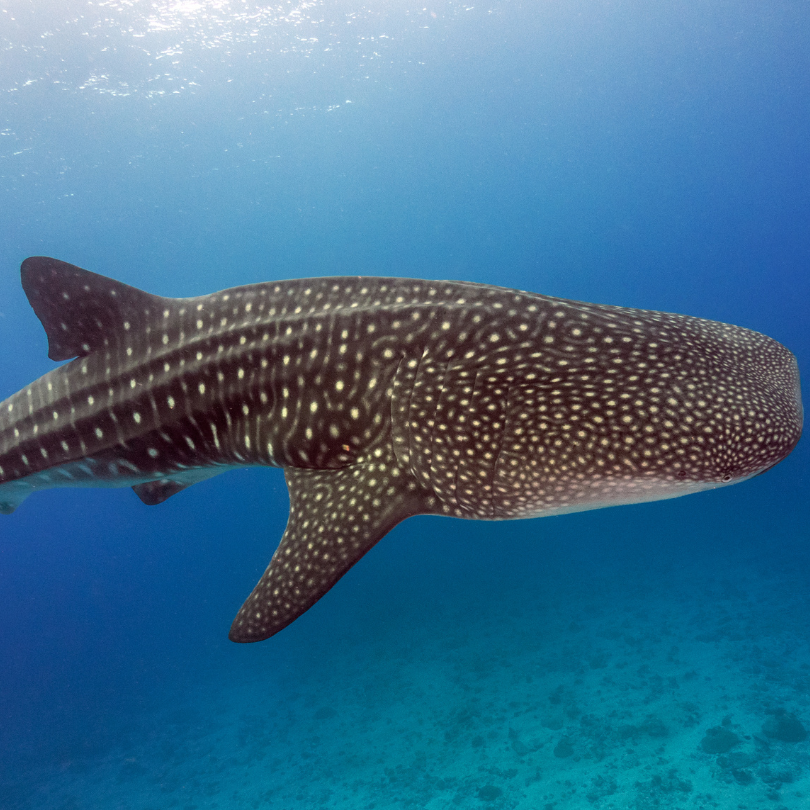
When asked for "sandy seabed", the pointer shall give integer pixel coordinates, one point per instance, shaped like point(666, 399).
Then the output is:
point(688, 690)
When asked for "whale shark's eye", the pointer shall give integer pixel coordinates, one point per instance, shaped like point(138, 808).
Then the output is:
point(726, 478)
point(681, 473)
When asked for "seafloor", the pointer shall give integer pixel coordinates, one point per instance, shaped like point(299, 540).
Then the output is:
point(681, 682)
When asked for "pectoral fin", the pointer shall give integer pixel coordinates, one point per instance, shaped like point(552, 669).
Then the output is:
point(336, 516)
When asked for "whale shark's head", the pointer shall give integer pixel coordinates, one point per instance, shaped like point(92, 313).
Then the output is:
point(632, 406)
point(737, 411)
point(671, 405)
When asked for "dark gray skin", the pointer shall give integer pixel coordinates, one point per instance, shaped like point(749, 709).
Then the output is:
point(383, 398)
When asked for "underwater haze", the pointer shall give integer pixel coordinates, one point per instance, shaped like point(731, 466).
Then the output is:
point(627, 153)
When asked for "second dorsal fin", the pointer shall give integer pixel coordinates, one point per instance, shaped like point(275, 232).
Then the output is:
point(81, 310)
point(155, 492)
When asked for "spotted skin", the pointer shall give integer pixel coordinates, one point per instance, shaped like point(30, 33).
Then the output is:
point(383, 398)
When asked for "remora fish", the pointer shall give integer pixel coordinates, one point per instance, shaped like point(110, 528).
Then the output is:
point(383, 398)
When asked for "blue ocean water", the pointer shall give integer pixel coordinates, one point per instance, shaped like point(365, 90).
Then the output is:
point(647, 155)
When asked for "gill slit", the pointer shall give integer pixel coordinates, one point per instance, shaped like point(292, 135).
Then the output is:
point(500, 450)
point(409, 433)
point(436, 410)
point(460, 461)
point(395, 383)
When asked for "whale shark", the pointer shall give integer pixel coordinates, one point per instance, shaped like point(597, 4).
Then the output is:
point(383, 398)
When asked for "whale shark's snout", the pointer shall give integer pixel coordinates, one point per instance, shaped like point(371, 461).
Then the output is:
point(782, 392)
point(759, 415)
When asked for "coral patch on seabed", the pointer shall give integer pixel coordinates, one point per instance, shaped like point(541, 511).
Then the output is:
point(784, 726)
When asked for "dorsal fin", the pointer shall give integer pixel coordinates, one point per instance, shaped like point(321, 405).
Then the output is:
point(80, 309)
